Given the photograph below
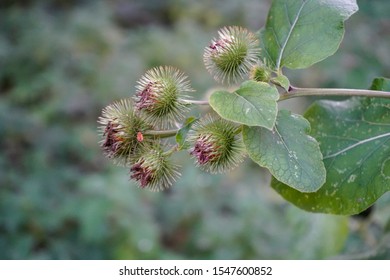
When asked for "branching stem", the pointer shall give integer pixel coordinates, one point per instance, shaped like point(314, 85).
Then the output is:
point(291, 93)
point(298, 92)
point(161, 133)
point(323, 92)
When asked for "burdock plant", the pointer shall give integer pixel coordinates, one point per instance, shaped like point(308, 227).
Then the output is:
point(333, 159)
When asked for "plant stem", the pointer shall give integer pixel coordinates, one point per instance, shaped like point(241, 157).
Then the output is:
point(161, 133)
point(297, 92)
point(195, 102)
point(175, 148)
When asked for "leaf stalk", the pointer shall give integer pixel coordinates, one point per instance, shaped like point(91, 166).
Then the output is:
point(299, 92)
point(161, 133)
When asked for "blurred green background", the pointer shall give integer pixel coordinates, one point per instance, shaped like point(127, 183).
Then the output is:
point(62, 61)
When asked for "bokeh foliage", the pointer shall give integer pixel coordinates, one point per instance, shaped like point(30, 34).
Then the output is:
point(61, 62)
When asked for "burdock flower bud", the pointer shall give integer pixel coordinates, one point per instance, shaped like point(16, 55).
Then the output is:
point(154, 170)
point(160, 94)
point(216, 145)
point(260, 74)
point(120, 129)
point(232, 55)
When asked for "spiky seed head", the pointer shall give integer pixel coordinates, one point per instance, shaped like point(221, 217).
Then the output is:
point(230, 57)
point(160, 93)
point(154, 170)
point(216, 145)
point(120, 128)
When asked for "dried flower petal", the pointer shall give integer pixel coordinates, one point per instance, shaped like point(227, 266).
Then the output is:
point(112, 139)
point(141, 173)
point(203, 151)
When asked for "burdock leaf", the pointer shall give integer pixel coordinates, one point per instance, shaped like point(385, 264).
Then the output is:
point(292, 156)
point(299, 33)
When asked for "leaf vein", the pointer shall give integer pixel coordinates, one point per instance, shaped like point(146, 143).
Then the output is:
point(251, 105)
point(357, 144)
point(276, 37)
point(366, 156)
point(279, 60)
point(289, 151)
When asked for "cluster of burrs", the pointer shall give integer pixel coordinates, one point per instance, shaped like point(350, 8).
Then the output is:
point(135, 130)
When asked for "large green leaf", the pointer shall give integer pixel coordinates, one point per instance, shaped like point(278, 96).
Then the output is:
point(288, 152)
point(354, 136)
point(253, 104)
point(299, 33)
